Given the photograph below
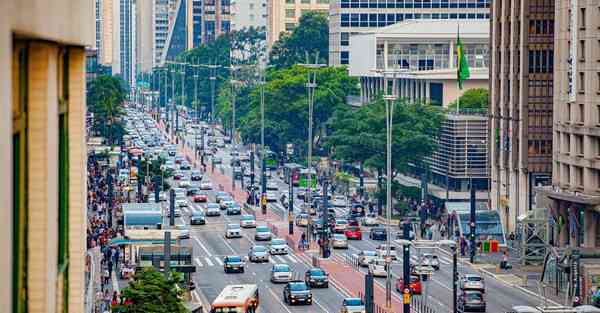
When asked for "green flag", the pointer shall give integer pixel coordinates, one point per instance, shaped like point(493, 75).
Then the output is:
point(462, 72)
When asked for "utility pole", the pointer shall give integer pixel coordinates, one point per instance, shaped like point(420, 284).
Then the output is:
point(263, 197)
point(472, 225)
point(291, 206)
point(197, 105)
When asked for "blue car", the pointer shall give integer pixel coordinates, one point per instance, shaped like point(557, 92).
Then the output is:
point(378, 233)
point(233, 263)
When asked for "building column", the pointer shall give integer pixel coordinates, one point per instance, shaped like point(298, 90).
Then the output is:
point(563, 230)
point(428, 91)
point(385, 55)
point(589, 228)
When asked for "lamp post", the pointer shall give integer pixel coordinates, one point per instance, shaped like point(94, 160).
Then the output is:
point(263, 162)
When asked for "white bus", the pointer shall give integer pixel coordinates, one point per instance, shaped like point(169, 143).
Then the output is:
point(236, 299)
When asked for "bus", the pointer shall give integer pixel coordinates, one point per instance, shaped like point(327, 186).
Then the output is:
point(304, 173)
point(271, 160)
point(292, 170)
point(236, 299)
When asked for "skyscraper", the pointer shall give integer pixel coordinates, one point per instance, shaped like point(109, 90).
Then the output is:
point(249, 13)
point(126, 41)
point(283, 15)
point(521, 94)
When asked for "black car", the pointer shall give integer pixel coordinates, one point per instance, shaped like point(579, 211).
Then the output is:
point(378, 233)
point(233, 263)
point(192, 191)
point(471, 301)
point(316, 277)
point(196, 176)
point(296, 292)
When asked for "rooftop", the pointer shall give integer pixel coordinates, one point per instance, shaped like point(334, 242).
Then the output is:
point(418, 29)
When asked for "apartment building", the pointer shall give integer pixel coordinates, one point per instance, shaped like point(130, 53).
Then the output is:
point(575, 192)
point(248, 13)
point(521, 104)
point(283, 15)
point(43, 154)
point(348, 17)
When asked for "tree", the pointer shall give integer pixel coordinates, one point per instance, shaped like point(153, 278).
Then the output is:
point(151, 292)
point(247, 44)
point(475, 99)
point(105, 99)
point(311, 36)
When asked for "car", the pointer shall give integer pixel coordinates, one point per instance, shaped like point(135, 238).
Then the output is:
point(378, 233)
point(247, 221)
point(196, 176)
point(281, 273)
point(271, 196)
point(472, 282)
point(316, 277)
point(200, 197)
point(179, 159)
point(233, 231)
point(205, 185)
point(338, 201)
point(184, 230)
point(370, 220)
point(278, 246)
point(162, 196)
point(339, 241)
point(258, 253)
point(226, 203)
point(220, 195)
point(192, 191)
point(272, 186)
point(414, 286)
point(352, 221)
point(213, 209)
point(377, 268)
point(178, 175)
point(353, 305)
point(197, 217)
point(185, 166)
point(353, 232)
point(340, 225)
point(382, 251)
point(365, 257)
point(471, 301)
point(234, 209)
point(177, 212)
point(297, 292)
point(302, 219)
point(429, 259)
point(184, 183)
point(233, 263)
point(262, 233)
point(217, 160)
point(181, 202)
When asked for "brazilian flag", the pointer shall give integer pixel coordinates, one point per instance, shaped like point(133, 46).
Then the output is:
point(462, 72)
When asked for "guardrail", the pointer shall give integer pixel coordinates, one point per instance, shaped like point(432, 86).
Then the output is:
point(418, 304)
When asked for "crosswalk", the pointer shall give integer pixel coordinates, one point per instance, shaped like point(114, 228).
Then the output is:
point(218, 260)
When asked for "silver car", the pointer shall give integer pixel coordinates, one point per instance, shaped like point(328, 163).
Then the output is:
point(262, 233)
point(247, 221)
point(258, 254)
point(430, 260)
point(213, 209)
point(472, 282)
point(278, 246)
point(339, 241)
point(281, 273)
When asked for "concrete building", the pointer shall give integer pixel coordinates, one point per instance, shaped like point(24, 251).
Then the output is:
point(349, 17)
point(43, 154)
point(521, 84)
point(248, 13)
point(283, 15)
point(422, 52)
point(160, 25)
point(575, 191)
point(144, 44)
point(107, 29)
point(126, 47)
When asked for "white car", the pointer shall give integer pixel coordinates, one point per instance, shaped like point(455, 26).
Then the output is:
point(213, 209)
point(278, 246)
point(272, 186)
point(340, 225)
point(233, 231)
point(281, 273)
point(162, 196)
point(338, 201)
point(365, 257)
point(377, 268)
point(205, 185)
point(184, 183)
point(181, 202)
point(382, 251)
point(177, 212)
point(370, 220)
point(227, 204)
point(247, 221)
point(339, 241)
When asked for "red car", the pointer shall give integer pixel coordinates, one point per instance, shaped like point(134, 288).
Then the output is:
point(201, 198)
point(353, 232)
point(414, 286)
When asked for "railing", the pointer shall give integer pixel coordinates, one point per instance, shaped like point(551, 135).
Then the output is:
point(418, 304)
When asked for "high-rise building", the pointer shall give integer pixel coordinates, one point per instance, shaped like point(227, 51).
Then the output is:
point(347, 17)
point(575, 192)
point(283, 15)
point(126, 41)
point(521, 99)
point(144, 44)
point(107, 29)
point(43, 155)
point(249, 13)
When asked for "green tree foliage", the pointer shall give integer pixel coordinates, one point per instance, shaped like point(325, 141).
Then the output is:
point(286, 107)
point(310, 36)
point(151, 292)
point(473, 99)
point(247, 44)
point(105, 100)
point(360, 135)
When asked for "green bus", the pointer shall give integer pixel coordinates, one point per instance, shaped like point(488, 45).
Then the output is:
point(271, 160)
point(303, 181)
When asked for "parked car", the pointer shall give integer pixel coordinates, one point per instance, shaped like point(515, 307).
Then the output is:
point(281, 273)
point(471, 301)
point(258, 253)
point(365, 257)
point(233, 263)
point(316, 277)
point(339, 241)
point(233, 231)
point(297, 292)
point(278, 246)
point(262, 233)
point(414, 286)
point(247, 221)
point(378, 233)
point(353, 305)
point(353, 232)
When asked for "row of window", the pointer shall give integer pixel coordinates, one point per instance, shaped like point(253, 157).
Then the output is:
point(541, 61)
point(307, 1)
point(417, 4)
point(382, 20)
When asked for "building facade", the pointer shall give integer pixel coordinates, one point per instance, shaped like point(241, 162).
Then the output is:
point(144, 44)
point(126, 41)
point(348, 17)
point(422, 55)
point(249, 13)
point(283, 15)
point(521, 100)
point(575, 192)
point(43, 155)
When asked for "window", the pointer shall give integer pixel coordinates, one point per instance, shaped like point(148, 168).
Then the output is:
point(581, 113)
point(345, 40)
point(251, 7)
point(578, 176)
point(581, 82)
point(568, 112)
point(289, 27)
point(579, 145)
point(582, 18)
point(290, 13)
point(19, 177)
point(289, 1)
point(581, 50)
point(344, 57)
point(567, 143)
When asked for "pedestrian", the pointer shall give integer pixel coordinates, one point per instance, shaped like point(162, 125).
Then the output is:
point(504, 263)
point(106, 276)
point(463, 245)
point(107, 300)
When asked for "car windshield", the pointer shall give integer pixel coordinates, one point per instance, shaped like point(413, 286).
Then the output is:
point(262, 229)
point(379, 230)
point(474, 296)
point(259, 249)
point(369, 253)
point(298, 286)
point(281, 268)
point(234, 259)
point(212, 206)
point(233, 226)
point(474, 278)
point(353, 302)
point(248, 218)
point(341, 222)
point(339, 237)
point(317, 272)
point(276, 242)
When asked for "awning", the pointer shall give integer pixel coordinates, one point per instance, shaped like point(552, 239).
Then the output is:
point(123, 242)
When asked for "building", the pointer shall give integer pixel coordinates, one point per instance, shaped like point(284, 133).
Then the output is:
point(43, 155)
point(283, 15)
point(107, 29)
point(144, 43)
point(422, 53)
point(521, 99)
point(126, 46)
point(575, 192)
point(160, 24)
point(249, 13)
point(349, 17)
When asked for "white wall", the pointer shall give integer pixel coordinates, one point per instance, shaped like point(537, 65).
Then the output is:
point(363, 46)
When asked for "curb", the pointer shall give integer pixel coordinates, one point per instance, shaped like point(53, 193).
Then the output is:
point(521, 288)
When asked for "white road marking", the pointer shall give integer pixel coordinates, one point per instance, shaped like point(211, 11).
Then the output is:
point(228, 245)
point(202, 246)
point(277, 299)
point(209, 262)
point(198, 263)
point(271, 260)
point(279, 259)
point(293, 260)
point(219, 261)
